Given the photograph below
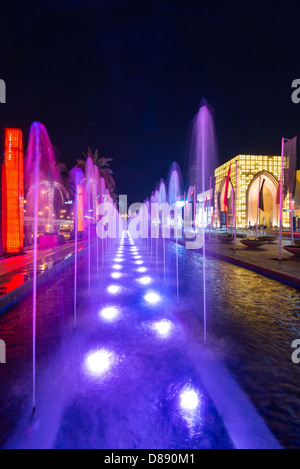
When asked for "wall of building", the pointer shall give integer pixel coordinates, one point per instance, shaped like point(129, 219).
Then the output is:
point(250, 168)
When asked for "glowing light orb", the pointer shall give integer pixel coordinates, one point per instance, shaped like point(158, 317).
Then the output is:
point(162, 328)
point(139, 262)
point(113, 289)
point(118, 260)
point(98, 363)
point(189, 400)
point(141, 270)
point(144, 280)
point(137, 257)
point(116, 275)
point(152, 298)
point(109, 313)
point(117, 267)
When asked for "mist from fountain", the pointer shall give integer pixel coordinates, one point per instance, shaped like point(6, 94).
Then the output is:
point(162, 201)
point(76, 177)
point(203, 161)
point(174, 194)
point(40, 147)
point(40, 165)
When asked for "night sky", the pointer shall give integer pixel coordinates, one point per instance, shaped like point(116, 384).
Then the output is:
point(128, 77)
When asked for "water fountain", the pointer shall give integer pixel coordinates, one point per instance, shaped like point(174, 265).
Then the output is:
point(163, 200)
point(40, 165)
point(189, 212)
point(49, 181)
point(76, 177)
point(174, 194)
point(147, 204)
point(203, 161)
point(152, 201)
point(90, 194)
point(156, 200)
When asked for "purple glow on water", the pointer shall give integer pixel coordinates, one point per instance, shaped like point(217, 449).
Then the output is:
point(117, 267)
point(113, 289)
point(141, 270)
point(152, 298)
point(162, 328)
point(144, 280)
point(98, 363)
point(110, 313)
point(139, 262)
point(116, 275)
point(189, 400)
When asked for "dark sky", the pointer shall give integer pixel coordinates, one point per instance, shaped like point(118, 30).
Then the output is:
point(128, 76)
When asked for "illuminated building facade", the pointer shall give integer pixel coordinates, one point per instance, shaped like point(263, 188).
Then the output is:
point(13, 193)
point(250, 170)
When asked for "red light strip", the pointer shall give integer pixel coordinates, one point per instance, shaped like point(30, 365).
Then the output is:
point(13, 193)
point(80, 208)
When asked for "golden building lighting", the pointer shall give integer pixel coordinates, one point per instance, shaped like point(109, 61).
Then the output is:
point(250, 168)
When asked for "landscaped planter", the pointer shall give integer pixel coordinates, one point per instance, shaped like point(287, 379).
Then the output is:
point(293, 249)
point(225, 238)
point(269, 239)
point(253, 243)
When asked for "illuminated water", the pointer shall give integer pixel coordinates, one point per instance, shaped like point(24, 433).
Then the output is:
point(125, 379)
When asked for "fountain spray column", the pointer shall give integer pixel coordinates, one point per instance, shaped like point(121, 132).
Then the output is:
point(75, 256)
point(89, 169)
point(76, 177)
point(174, 191)
point(35, 242)
point(203, 161)
point(50, 208)
point(32, 170)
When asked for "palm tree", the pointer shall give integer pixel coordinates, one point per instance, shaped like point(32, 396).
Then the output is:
point(103, 167)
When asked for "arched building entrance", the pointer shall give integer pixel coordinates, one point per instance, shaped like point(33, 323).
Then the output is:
point(268, 216)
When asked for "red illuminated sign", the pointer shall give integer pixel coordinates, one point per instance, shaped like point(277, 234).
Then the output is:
point(80, 208)
point(13, 193)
